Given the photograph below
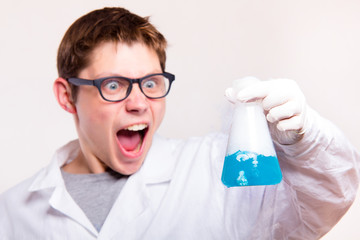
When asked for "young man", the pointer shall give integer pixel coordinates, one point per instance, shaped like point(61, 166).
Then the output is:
point(120, 180)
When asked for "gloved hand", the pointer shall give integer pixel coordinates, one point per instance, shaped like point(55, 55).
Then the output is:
point(284, 106)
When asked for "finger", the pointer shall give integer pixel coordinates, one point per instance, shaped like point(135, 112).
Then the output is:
point(274, 99)
point(253, 92)
point(284, 111)
point(294, 123)
point(230, 95)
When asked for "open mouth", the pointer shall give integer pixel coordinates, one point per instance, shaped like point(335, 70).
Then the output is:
point(131, 138)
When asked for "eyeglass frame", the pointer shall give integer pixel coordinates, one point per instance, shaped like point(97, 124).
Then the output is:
point(97, 83)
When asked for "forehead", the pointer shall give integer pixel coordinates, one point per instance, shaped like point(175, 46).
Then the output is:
point(128, 60)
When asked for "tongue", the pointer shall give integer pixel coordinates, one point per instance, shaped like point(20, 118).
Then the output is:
point(129, 140)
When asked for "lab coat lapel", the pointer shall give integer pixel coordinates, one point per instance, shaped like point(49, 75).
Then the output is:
point(50, 178)
point(63, 202)
point(131, 209)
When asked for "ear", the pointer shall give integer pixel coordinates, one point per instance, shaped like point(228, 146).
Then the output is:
point(62, 93)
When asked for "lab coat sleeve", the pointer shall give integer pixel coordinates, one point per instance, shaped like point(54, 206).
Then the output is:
point(321, 176)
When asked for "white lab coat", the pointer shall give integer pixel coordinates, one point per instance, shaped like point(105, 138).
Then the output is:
point(178, 194)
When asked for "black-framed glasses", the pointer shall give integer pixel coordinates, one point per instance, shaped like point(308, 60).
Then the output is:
point(116, 89)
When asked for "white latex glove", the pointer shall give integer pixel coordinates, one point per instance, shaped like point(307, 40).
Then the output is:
point(284, 106)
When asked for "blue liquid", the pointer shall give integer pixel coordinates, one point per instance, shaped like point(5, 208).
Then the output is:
point(250, 169)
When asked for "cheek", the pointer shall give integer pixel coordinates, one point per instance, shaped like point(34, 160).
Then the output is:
point(90, 106)
point(159, 112)
point(91, 123)
point(93, 120)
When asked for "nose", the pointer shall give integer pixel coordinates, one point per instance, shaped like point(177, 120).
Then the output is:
point(136, 102)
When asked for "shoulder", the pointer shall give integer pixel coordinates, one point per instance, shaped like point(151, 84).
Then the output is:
point(14, 201)
point(22, 208)
point(208, 151)
point(169, 152)
point(211, 145)
point(16, 192)
point(192, 144)
point(33, 191)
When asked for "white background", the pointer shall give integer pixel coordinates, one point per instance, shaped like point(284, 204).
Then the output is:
point(315, 43)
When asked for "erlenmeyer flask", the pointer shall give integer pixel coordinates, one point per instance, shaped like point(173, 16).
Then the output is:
point(250, 157)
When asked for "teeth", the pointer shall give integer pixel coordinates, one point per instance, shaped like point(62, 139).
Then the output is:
point(137, 127)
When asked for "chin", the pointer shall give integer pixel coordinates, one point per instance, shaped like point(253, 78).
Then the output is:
point(129, 169)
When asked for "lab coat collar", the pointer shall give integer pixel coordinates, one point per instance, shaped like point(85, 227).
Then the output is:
point(158, 167)
point(50, 176)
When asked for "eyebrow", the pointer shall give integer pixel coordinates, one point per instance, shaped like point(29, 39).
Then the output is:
point(113, 74)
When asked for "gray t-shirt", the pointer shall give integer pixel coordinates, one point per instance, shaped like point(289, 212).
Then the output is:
point(95, 193)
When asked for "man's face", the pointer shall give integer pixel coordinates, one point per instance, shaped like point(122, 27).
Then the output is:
point(117, 134)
